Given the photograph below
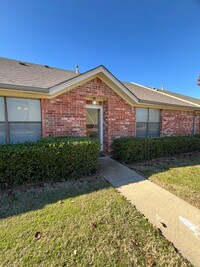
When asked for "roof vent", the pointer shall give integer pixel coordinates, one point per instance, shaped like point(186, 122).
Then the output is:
point(163, 88)
point(198, 81)
point(77, 70)
point(46, 66)
point(23, 64)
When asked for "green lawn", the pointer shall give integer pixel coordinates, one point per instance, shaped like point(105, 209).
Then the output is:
point(81, 223)
point(180, 175)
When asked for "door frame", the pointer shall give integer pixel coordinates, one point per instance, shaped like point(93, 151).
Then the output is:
point(101, 121)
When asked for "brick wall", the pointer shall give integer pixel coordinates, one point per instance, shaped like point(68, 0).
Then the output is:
point(197, 124)
point(175, 123)
point(66, 113)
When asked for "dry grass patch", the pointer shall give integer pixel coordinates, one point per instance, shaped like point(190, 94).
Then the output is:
point(78, 223)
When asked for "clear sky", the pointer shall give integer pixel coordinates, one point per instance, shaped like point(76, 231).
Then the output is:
point(150, 42)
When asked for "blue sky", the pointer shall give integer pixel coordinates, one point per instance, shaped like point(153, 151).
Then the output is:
point(148, 42)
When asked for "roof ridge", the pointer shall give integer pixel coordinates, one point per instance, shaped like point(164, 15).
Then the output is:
point(79, 74)
point(163, 93)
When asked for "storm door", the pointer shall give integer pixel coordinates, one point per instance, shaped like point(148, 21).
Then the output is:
point(94, 122)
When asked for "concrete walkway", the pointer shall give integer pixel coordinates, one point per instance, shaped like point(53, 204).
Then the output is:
point(178, 220)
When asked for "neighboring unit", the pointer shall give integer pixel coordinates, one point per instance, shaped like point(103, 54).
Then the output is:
point(38, 101)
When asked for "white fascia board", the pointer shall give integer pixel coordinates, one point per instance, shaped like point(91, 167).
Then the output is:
point(58, 88)
point(85, 76)
point(163, 93)
point(119, 85)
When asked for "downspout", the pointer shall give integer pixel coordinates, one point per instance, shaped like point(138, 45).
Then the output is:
point(161, 122)
point(194, 124)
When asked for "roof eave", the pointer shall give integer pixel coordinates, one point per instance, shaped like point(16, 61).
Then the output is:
point(100, 71)
point(168, 105)
point(24, 88)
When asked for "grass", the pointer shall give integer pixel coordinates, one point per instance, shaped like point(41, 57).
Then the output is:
point(81, 223)
point(180, 175)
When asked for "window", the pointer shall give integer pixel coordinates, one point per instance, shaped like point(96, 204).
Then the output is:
point(2, 121)
point(23, 120)
point(147, 122)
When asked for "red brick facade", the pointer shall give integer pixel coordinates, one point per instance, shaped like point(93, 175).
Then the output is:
point(197, 130)
point(178, 123)
point(66, 114)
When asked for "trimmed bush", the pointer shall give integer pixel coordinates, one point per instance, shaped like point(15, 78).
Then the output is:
point(134, 149)
point(197, 135)
point(54, 159)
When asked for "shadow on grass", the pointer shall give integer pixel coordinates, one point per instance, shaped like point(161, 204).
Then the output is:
point(160, 165)
point(34, 197)
point(145, 169)
point(28, 198)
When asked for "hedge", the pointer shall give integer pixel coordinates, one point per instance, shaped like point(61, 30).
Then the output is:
point(134, 149)
point(54, 159)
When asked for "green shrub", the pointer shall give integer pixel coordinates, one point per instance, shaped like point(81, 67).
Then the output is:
point(55, 159)
point(197, 135)
point(134, 149)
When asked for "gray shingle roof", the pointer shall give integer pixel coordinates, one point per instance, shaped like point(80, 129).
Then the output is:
point(43, 77)
point(32, 75)
point(187, 98)
point(148, 95)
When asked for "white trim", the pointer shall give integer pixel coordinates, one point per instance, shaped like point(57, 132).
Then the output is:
point(119, 84)
point(80, 78)
point(103, 74)
point(101, 120)
point(162, 92)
